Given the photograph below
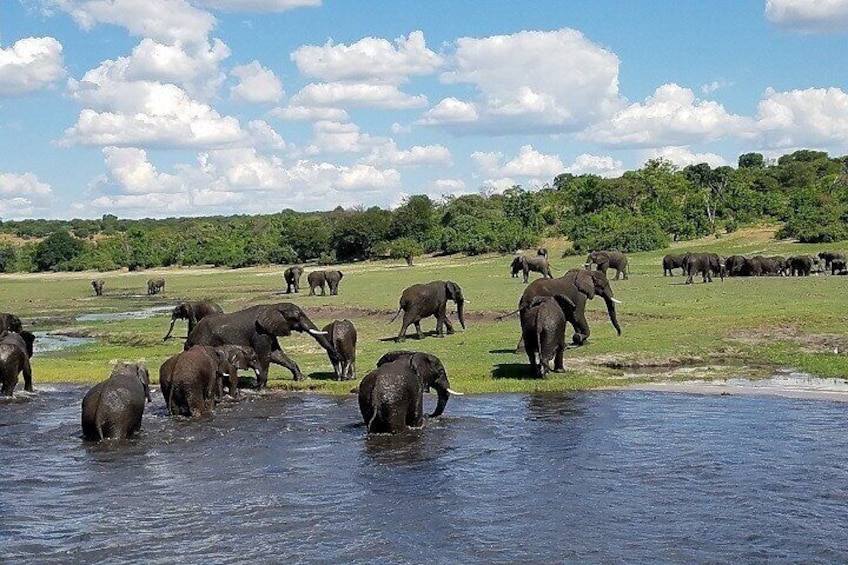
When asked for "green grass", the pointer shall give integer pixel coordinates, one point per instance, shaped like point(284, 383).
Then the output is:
point(747, 323)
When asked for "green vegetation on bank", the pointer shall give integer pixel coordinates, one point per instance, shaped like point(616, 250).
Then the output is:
point(743, 326)
point(805, 193)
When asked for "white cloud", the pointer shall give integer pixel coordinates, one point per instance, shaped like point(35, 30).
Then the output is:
point(604, 166)
point(23, 196)
point(389, 155)
point(194, 67)
point(815, 116)
point(336, 94)
point(710, 87)
point(309, 113)
point(532, 81)
point(256, 84)
point(335, 137)
point(671, 116)
point(450, 186)
point(528, 163)
point(264, 136)
point(166, 21)
point(129, 168)
point(368, 60)
point(26, 184)
point(400, 128)
point(683, 156)
point(29, 65)
point(257, 5)
point(809, 16)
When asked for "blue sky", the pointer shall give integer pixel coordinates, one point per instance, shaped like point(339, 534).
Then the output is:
point(155, 108)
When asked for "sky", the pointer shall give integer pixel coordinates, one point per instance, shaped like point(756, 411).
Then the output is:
point(159, 108)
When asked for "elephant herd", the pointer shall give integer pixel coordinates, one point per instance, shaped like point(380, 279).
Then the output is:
point(316, 279)
point(709, 264)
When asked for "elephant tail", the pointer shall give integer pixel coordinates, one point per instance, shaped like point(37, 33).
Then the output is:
point(396, 315)
point(507, 315)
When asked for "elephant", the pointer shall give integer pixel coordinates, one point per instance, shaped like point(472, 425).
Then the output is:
point(736, 265)
point(97, 285)
point(193, 312)
point(706, 264)
point(777, 266)
point(292, 276)
point(241, 358)
point(579, 286)
point(543, 331)
point(838, 267)
point(16, 349)
point(112, 409)
point(10, 322)
point(155, 286)
point(829, 256)
point(189, 380)
point(800, 265)
point(527, 263)
point(258, 327)
point(542, 252)
point(391, 397)
point(420, 301)
point(606, 259)
point(342, 334)
point(671, 262)
point(317, 279)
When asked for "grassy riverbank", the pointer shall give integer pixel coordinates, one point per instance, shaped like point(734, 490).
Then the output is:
point(670, 330)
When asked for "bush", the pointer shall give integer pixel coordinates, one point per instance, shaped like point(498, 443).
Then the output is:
point(57, 251)
point(631, 234)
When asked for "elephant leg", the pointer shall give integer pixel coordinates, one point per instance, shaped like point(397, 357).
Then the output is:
point(407, 320)
point(581, 329)
point(284, 360)
point(526, 274)
point(559, 365)
point(418, 330)
point(27, 376)
point(520, 348)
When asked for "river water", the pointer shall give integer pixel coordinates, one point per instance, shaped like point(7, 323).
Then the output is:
point(596, 477)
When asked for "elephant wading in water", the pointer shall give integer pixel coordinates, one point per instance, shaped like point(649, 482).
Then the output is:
point(317, 279)
point(342, 335)
point(292, 277)
point(604, 260)
point(420, 301)
point(391, 397)
point(112, 409)
point(671, 262)
point(579, 286)
point(97, 285)
point(258, 327)
point(189, 380)
point(193, 312)
point(706, 264)
point(526, 263)
point(10, 322)
point(543, 331)
point(155, 286)
point(16, 349)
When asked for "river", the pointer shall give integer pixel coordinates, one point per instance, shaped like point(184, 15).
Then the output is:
point(595, 477)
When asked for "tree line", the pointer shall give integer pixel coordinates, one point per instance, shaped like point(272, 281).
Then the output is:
point(806, 192)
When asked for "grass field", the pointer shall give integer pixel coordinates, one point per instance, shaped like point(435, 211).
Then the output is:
point(743, 326)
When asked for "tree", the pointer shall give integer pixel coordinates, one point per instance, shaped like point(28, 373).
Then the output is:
point(56, 250)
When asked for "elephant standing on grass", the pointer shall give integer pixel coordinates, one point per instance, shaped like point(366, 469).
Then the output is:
point(317, 279)
point(800, 265)
point(604, 260)
point(838, 267)
point(829, 257)
point(706, 264)
point(292, 276)
point(15, 352)
point(391, 397)
point(420, 301)
point(671, 262)
point(527, 263)
point(155, 286)
point(193, 312)
point(258, 327)
point(112, 409)
point(97, 285)
point(543, 331)
point(342, 335)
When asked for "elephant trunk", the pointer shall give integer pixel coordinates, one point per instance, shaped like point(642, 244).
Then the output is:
point(321, 337)
point(460, 311)
point(611, 310)
point(444, 395)
point(170, 329)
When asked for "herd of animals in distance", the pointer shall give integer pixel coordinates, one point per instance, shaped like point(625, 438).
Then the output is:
point(220, 344)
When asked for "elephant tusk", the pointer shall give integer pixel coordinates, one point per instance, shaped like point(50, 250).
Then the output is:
point(225, 375)
point(456, 393)
point(317, 332)
point(616, 301)
point(256, 371)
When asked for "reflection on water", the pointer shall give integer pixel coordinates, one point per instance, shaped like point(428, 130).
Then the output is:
point(627, 477)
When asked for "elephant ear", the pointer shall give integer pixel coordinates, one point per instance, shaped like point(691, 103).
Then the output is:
point(272, 321)
point(393, 356)
point(585, 283)
point(537, 301)
point(565, 303)
point(340, 274)
point(29, 340)
point(422, 365)
point(453, 291)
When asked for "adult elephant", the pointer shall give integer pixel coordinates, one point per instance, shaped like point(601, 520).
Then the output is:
point(112, 409)
point(543, 332)
point(838, 267)
point(829, 257)
point(292, 277)
point(391, 397)
point(10, 322)
point(420, 301)
point(317, 279)
point(527, 263)
point(97, 285)
point(579, 286)
point(674, 261)
point(800, 265)
point(193, 311)
point(155, 286)
point(258, 327)
point(342, 335)
point(774, 266)
point(15, 352)
point(737, 266)
point(705, 264)
point(603, 260)
point(189, 380)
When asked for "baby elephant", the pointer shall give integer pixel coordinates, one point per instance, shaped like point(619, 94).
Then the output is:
point(342, 336)
point(240, 358)
point(320, 279)
point(15, 352)
point(112, 409)
point(543, 331)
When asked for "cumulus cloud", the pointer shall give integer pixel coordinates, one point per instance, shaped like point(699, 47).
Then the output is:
point(23, 196)
point(389, 155)
point(256, 84)
point(683, 156)
point(601, 165)
point(671, 116)
point(341, 94)
point(309, 113)
point(26, 184)
point(528, 163)
point(257, 5)
point(336, 137)
point(30, 64)
point(531, 81)
point(368, 60)
point(263, 136)
point(193, 67)
point(806, 16)
point(813, 117)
